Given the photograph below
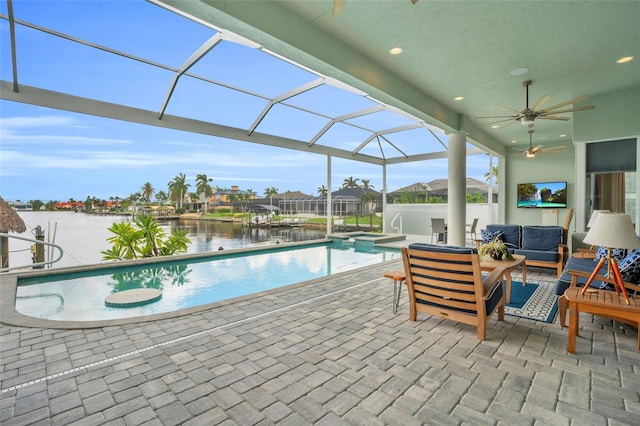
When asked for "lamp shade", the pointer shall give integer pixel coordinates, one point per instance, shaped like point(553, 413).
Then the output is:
point(613, 230)
point(595, 214)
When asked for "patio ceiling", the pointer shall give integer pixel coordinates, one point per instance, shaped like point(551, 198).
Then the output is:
point(451, 49)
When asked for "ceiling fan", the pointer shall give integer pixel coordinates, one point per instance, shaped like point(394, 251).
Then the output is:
point(531, 152)
point(339, 5)
point(527, 116)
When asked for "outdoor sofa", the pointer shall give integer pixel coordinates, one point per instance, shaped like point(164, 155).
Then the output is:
point(542, 246)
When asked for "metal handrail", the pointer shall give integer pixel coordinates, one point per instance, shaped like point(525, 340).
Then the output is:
point(397, 216)
point(31, 265)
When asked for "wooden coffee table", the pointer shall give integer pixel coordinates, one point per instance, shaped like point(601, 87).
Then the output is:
point(599, 302)
point(508, 265)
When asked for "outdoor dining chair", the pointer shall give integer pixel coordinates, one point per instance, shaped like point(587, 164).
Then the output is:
point(439, 229)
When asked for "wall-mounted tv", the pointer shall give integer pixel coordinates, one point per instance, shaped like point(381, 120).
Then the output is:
point(550, 195)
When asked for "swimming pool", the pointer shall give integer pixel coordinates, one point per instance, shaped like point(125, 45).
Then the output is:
point(80, 295)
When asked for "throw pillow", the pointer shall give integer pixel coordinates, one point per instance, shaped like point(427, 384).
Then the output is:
point(487, 236)
point(617, 253)
point(630, 268)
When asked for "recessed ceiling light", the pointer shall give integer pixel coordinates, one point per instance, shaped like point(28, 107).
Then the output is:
point(458, 98)
point(396, 50)
point(563, 136)
point(625, 59)
point(495, 126)
point(519, 71)
point(514, 141)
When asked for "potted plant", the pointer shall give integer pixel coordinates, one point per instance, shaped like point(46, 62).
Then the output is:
point(495, 249)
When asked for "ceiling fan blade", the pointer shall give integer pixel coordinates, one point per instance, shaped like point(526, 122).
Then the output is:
point(338, 7)
point(584, 108)
point(570, 102)
point(553, 117)
point(498, 121)
point(536, 149)
point(513, 117)
point(509, 109)
point(539, 104)
point(553, 148)
point(508, 124)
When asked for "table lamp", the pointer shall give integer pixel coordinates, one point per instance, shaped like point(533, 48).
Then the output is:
point(611, 230)
point(594, 215)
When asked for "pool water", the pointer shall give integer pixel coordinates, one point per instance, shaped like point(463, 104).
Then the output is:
point(79, 296)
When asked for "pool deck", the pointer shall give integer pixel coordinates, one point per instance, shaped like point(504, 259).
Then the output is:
point(328, 353)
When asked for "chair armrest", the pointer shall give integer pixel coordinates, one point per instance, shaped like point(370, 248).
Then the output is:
point(490, 281)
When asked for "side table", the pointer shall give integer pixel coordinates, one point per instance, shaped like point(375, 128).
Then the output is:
point(599, 302)
point(398, 278)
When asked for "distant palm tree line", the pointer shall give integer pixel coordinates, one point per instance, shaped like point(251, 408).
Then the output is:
point(178, 192)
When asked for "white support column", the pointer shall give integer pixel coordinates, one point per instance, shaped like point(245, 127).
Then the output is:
point(384, 198)
point(457, 165)
point(329, 207)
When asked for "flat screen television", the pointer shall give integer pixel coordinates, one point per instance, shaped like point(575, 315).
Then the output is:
point(542, 195)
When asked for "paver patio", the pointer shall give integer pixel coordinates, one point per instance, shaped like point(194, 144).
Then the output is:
point(327, 353)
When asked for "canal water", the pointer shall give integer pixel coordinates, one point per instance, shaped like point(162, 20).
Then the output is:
point(83, 236)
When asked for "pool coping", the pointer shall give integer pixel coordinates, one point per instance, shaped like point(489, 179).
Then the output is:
point(9, 283)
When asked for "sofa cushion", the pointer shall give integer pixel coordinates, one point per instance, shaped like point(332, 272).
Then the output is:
point(541, 238)
point(630, 268)
point(443, 249)
point(582, 265)
point(539, 255)
point(511, 234)
point(617, 253)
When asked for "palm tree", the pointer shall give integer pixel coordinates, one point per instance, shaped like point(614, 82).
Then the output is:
point(147, 191)
point(178, 188)
point(350, 182)
point(204, 190)
point(270, 192)
point(366, 184)
point(492, 173)
point(368, 199)
point(161, 197)
point(322, 190)
point(245, 198)
point(233, 199)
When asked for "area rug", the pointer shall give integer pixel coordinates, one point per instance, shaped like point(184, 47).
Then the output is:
point(535, 301)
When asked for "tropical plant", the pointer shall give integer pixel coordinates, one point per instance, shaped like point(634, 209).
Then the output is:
point(144, 238)
point(204, 190)
point(350, 182)
point(322, 190)
point(270, 192)
point(495, 249)
point(147, 192)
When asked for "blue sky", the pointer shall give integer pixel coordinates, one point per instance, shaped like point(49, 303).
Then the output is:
point(56, 155)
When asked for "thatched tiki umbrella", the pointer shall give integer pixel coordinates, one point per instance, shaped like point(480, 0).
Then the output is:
point(10, 221)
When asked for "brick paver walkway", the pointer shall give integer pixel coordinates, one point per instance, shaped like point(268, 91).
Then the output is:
point(328, 353)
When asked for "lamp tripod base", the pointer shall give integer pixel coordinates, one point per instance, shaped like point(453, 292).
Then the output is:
point(614, 273)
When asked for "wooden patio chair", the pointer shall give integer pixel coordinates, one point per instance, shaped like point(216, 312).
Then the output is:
point(447, 282)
